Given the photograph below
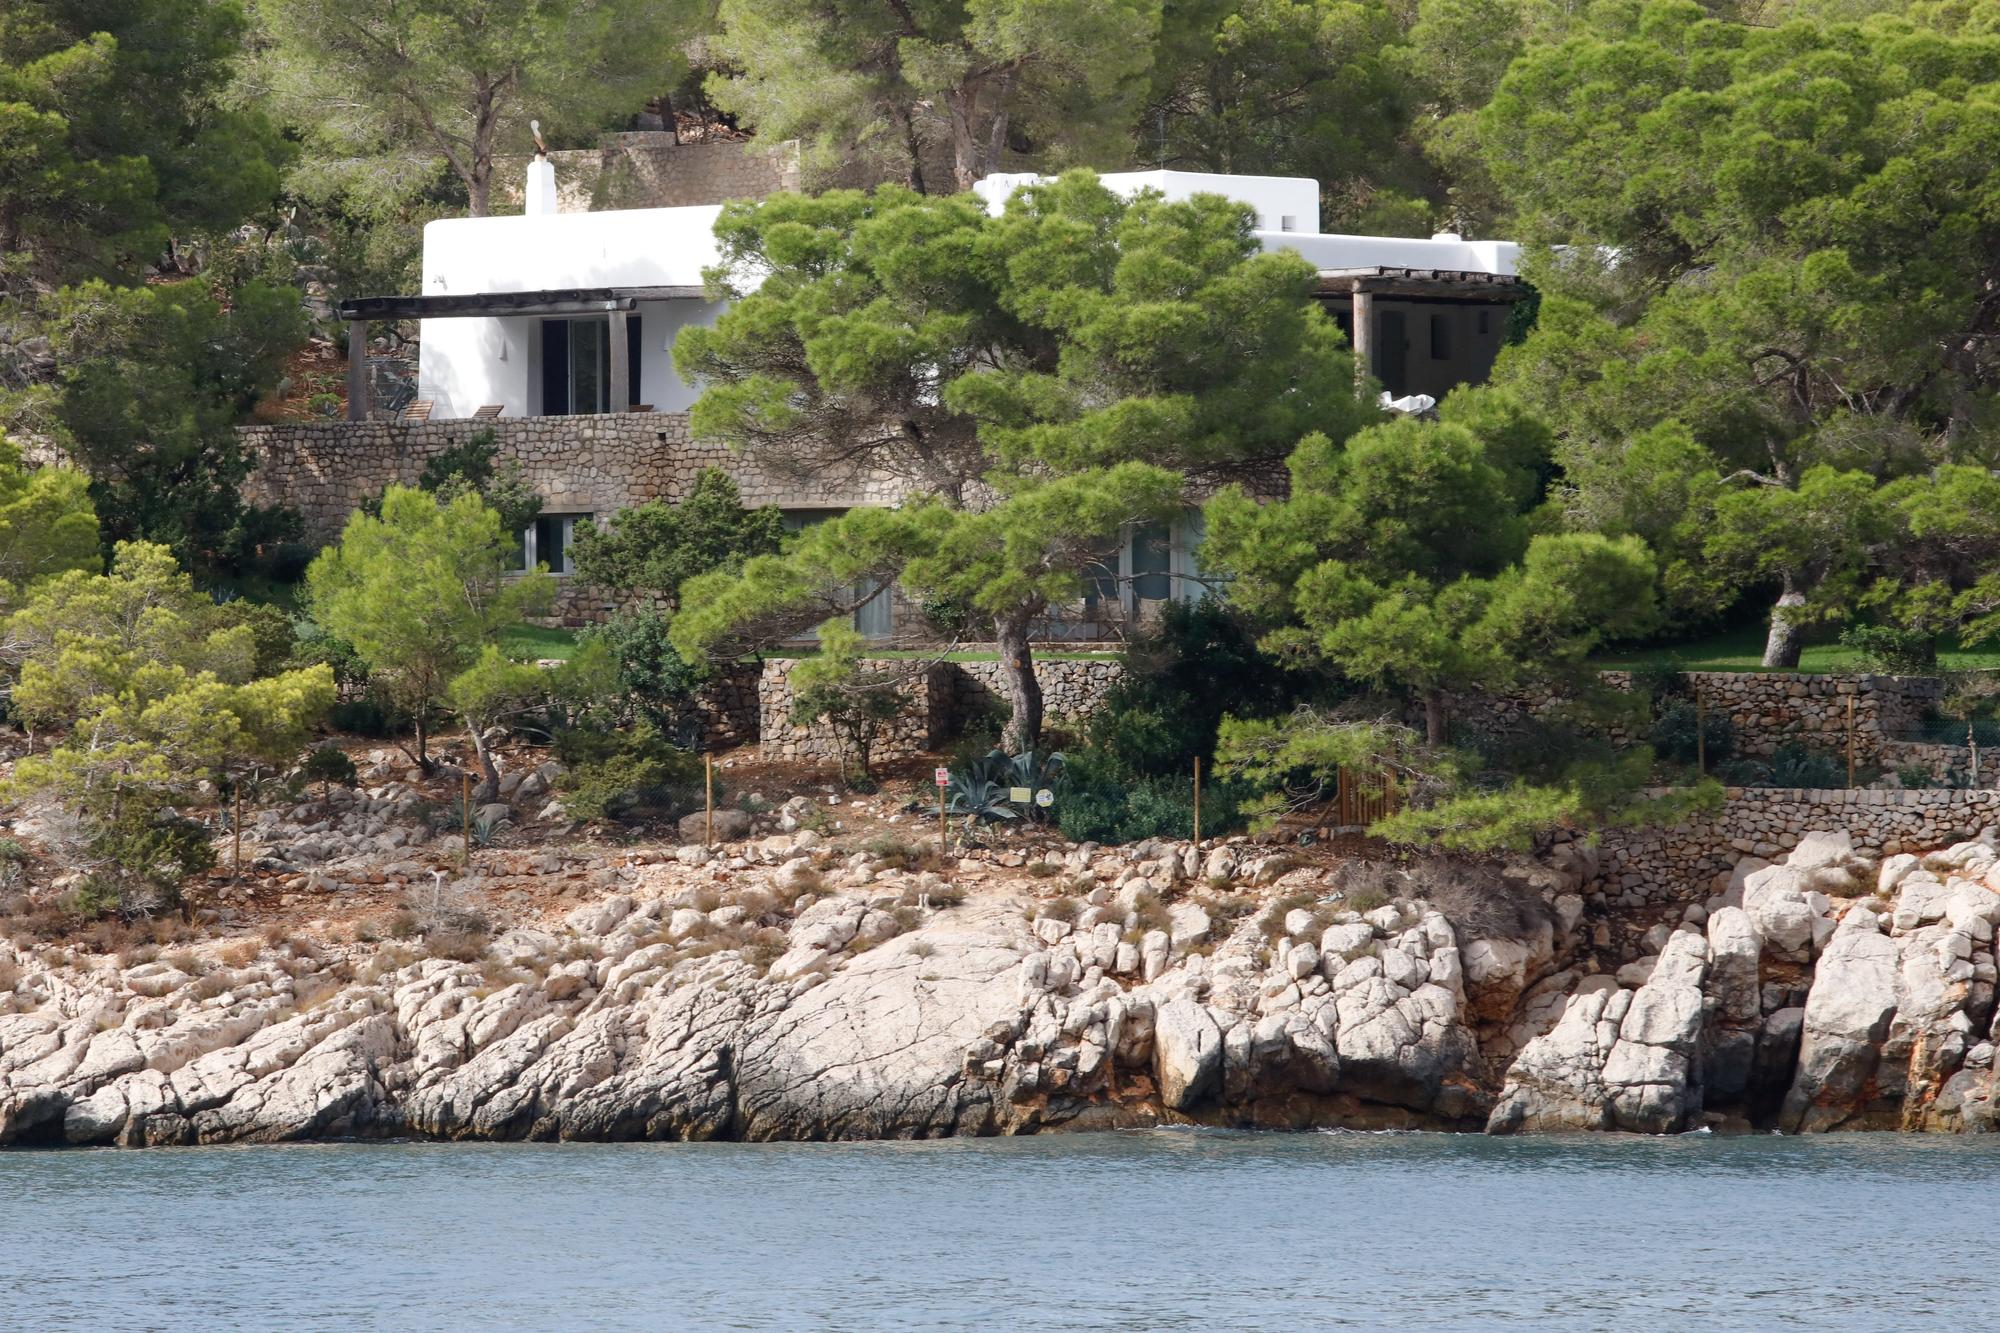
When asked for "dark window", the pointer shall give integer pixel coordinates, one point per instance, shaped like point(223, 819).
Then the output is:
point(632, 360)
point(576, 365)
point(555, 367)
point(1152, 562)
point(1392, 351)
point(1482, 322)
point(1440, 336)
point(546, 542)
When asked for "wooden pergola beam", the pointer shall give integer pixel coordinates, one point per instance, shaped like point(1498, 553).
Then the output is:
point(557, 301)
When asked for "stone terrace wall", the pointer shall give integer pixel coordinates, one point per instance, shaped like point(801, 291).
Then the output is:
point(1070, 689)
point(647, 169)
point(728, 708)
point(1684, 863)
point(937, 704)
point(922, 724)
point(1766, 709)
point(577, 464)
point(1769, 709)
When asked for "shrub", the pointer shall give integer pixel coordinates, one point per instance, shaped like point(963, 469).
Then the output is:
point(629, 775)
point(463, 946)
point(900, 853)
point(328, 765)
point(1094, 805)
point(1891, 650)
point(143, 858)
point(1165, 710)
point(1673, 734)
point(372, 714)
point(1061, 909)
point(659, 684)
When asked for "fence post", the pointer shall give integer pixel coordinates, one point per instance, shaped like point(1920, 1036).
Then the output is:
point(1197, 800)
point(236, 836)
point(1972, 744)
point(1700, 733)
point(708, 800)
point(1850, 740)
point(465, 815)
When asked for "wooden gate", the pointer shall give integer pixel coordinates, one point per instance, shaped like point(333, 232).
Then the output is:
point(1361, 798)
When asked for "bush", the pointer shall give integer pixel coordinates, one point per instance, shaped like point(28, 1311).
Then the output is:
point(627, 775)
point(328, 766)
point(145, 856)
point(659, 684)
point(1673, 734)
point(1792, 765)
point(1892, 651)
point(1094, 804)
point(1164, 711)
point(372, 715)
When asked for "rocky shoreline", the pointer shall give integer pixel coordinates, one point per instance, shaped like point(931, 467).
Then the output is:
point(778, 991)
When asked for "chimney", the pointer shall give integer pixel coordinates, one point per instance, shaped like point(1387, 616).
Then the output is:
point(541, 176)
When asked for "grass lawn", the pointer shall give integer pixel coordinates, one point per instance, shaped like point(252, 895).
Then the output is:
point(528, 642)
point(1741, 649)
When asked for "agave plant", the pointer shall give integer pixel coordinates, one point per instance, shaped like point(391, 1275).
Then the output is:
point(982, 789)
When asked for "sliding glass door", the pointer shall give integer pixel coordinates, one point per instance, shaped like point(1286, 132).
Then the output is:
point(576, 365)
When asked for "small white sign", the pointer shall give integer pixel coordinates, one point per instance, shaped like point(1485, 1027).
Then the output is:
point(1045, 798)
point(1020, 795)
point(942, 777)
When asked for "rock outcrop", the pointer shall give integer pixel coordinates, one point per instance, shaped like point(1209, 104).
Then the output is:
point(743, 996)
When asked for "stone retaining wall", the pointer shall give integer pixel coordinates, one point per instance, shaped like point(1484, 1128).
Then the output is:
point(578, 464)
point(923, 724)
point(728, 708)
point(1071, 690)
point(1766, 709)
point(647, 169)
point(1692, 860)
point(938, 700)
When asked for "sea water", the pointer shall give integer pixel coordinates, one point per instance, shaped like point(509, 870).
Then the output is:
point(1168, 1229)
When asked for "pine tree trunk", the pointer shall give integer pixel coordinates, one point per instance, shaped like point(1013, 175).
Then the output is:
point(1437, 729)
point(1787, 638)
point(1024, 692)
point(489, 775)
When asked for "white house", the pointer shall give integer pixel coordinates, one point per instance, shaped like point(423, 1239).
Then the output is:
point(525, 315)
point(548, 314)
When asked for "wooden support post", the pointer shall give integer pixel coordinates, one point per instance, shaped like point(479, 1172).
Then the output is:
point(1972, 744)
point(1850, 740)
point(236, 836)
point(465, 813)
point(357, 370)
point(708, 795)
point(621, 365)
point(1364, 333)
point(1700, 733)
point(1197, 800)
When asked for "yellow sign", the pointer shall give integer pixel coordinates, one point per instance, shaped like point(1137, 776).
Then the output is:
point(1020, 795)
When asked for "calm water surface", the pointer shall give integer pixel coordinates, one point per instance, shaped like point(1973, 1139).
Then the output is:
point(1164, 1230)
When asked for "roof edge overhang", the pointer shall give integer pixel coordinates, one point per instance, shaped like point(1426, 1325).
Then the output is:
point(558, 301)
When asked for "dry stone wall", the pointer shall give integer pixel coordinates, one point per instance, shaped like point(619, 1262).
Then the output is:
point(1071, 690)
point(1766, 709)
point(1692, 860)
point(923, 723)
point(938, 698)
point(595, 464)
point(647, 169)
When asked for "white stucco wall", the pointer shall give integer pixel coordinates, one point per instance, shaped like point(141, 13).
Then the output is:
point(1275, 198)
point(468, 363)
point(465, 364)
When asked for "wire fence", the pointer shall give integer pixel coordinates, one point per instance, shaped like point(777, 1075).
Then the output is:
point(1949, 731)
